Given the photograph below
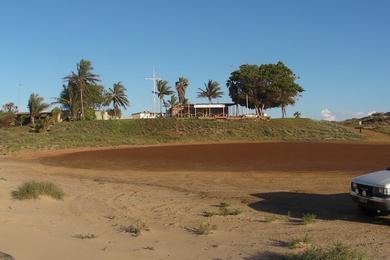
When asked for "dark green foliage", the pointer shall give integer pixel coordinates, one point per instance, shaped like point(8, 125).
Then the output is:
point(33, 189)
point(265, 86)
point(90, 115)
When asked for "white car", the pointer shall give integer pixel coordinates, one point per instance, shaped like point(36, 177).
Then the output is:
point(372, 191)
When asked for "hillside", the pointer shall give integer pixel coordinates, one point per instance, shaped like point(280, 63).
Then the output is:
point(127, 132)
point(379, 122)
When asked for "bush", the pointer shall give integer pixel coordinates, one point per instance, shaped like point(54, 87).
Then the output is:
point(90, 115)
point(33, 189)
point(7, 119)
point(308, 218)
point(336, 252)
point(135, 229)
point(205, 229)
point(299, 242)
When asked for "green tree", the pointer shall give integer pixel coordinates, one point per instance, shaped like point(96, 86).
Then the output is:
point(36, 106)
point(265, 86)
point(118, 97)
point(181, 87)
point(82, 78)
point(163, 90)
point(297, 114)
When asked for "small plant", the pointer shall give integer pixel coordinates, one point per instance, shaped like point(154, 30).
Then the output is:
point(308, 218)
point(33, 189)
point(205, 229)
point(229, 212)
point(209, 214)
point(224, 205)
point(338, 251)
point(135, 229)
point(85, 236)
point(299, 242)
point(270, 219)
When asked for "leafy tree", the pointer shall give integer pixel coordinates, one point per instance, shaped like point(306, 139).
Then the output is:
point(10, 108)
point(82, 78)
point(211, 91)
point(118, 97)
point(36, 106)
point(163, 90)
point(297, 114)
point(181, 87)
point(265, 86)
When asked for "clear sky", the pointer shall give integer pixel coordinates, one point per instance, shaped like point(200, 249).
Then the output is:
point(339, 49)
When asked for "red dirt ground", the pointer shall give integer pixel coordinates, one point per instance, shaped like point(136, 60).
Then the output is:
point(281, 156)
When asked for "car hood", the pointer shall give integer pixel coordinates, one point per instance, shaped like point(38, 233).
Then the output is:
point(379, 179)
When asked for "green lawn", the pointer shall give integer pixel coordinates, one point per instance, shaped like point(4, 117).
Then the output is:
point(159, 131)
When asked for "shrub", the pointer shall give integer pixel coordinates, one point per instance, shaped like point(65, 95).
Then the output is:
point(33, 189)
point(44, 124)
point(336, 252)
point(7, 119)
point(205, 229)
point(90, 115)
point(308, 218)
point(85, 236)
point(135, 229)
point(298, 242)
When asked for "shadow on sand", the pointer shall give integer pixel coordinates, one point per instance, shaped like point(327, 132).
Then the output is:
point(324, 206)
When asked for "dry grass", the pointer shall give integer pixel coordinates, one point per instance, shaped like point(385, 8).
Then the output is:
point(33, 189)
point(169, 130)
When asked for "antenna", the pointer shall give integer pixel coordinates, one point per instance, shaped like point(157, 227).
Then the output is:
point(154, 79)
point(19, 96)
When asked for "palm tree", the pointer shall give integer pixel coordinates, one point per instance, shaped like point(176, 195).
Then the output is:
point(118, 97)
point(69, 99)
point(82, 79)
point(211, 91)
point(36, 106)
point(163, 90)
point(172, 104)
point(181, 87)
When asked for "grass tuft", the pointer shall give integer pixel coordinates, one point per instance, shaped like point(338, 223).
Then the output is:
point(205, 229)
point(308, 218)
point(338, 251)
point(299, 242)
point(84, 236)
point(34, 189)
point(135, 229)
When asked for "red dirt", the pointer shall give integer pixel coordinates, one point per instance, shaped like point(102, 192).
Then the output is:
point(282, 156)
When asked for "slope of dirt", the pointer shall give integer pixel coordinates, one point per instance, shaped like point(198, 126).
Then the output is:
point(283, 156)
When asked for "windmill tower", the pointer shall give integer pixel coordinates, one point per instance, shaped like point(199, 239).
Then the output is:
point(154, 79)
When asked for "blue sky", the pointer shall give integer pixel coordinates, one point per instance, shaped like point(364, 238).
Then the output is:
point(339, 49)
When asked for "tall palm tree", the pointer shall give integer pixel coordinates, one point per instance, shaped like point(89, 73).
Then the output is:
point(163, 90)
point(36, 106)
point(211, 91)
point(82, 78)
point(181, 87)
point(118, 97)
